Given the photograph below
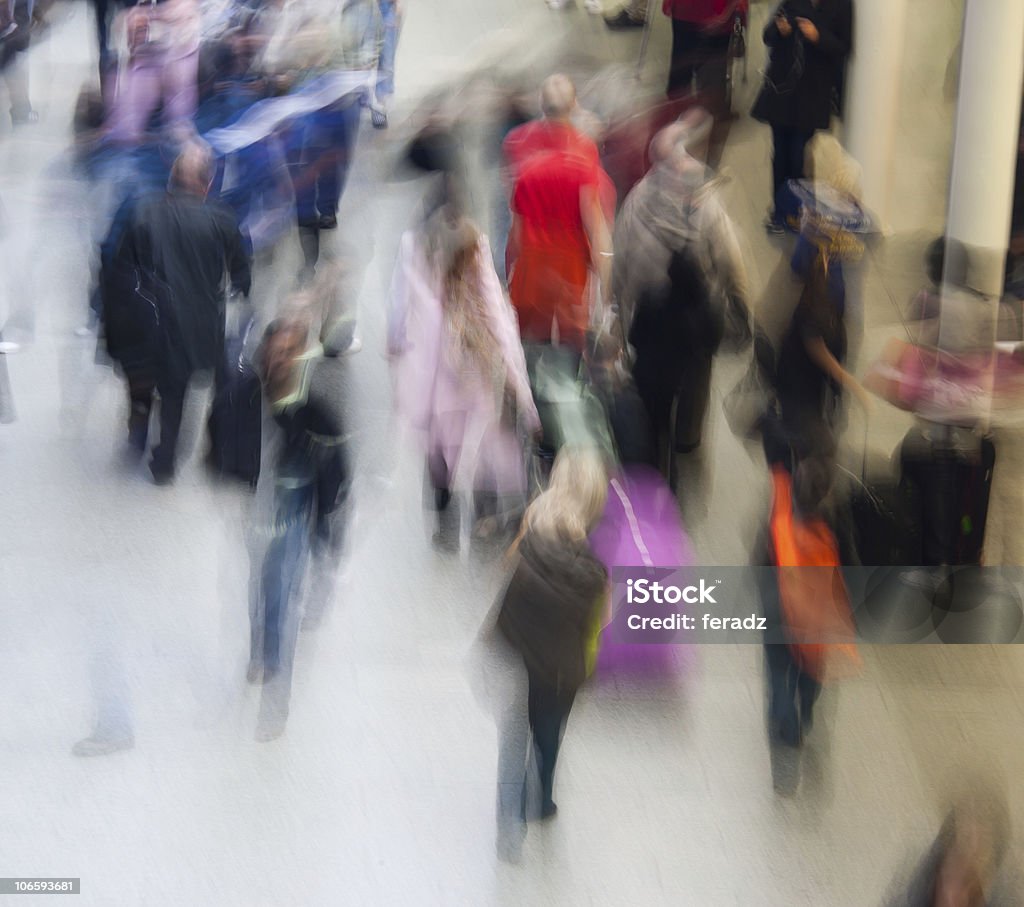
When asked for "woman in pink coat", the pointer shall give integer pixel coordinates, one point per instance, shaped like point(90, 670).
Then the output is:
point(458, 368)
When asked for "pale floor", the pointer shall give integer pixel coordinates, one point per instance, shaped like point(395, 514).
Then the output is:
point(382, 789)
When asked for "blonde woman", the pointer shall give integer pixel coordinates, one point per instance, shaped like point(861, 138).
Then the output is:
point(550, 615)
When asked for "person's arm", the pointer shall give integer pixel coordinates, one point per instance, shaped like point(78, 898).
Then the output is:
point(835, 42)
point(821, 357)
point(778, 28)
point(598, 235)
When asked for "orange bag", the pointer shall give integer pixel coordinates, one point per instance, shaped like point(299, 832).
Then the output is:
point(812, 594)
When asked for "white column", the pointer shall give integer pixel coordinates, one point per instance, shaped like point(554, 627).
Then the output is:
point(872, 97)
point(985, 137)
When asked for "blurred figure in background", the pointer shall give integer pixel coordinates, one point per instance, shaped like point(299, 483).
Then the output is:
point(805, 531)
point(183, 245)
point(550, 614)
point(15, 38)
point(701, 30)
point(391, 14)
point(560, 236)
point(675, 335)
point(809, 375)
point(459, 372)
point(677, 206)
point(304, 486)
point(809, 42)
point(970, 864)
point(161, 70)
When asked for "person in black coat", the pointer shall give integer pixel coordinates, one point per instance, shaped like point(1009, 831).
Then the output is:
point(809, 42)
point(675, 334)
point(182, 244)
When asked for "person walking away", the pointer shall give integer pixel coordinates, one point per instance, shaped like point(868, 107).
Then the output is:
point(184, 244)
point(304, 487)
point(809, 42)
point(675, 335)
point(550, 614)
point(701, 30)
point(807, 534)
point(458, 368)
point(560, 236)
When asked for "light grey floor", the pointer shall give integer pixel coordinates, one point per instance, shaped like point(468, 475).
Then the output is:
point(382, 790)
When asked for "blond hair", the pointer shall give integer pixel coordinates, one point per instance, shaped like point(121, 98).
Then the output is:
point(575, 497)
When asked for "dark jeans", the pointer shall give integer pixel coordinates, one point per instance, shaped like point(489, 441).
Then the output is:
point(548, 710)
point(283, 568)
point(319, 156)
point(141, 386)
point(172, 403)
point(792, 693)
point(696, 55)
point(788, 147)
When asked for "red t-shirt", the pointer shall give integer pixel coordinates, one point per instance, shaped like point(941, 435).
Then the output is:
point(540, 136)
point(706, 12)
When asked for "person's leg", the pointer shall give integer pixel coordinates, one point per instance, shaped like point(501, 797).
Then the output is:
point(340, 130)
point(780, 151)
point(385, 87)
point(782, 710)
point(297, 139)
point(685, 41)
point(549, 710)
point(172, 403)
point(283, 567)
point(808, 690)
point(140, 399)
point(181, 89)
point(136, 98)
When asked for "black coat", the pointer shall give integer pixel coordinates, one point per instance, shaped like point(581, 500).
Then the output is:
point(188, 245)
point(549, 608)
point(802, 78)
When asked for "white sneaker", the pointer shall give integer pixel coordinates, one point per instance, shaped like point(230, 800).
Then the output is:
point(593, 7)
point(7, 346)
point(354, 347)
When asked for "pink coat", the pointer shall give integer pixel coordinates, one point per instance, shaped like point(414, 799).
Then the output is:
point(454, 411)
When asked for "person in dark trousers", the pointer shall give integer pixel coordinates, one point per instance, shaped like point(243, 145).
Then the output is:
point(550, 614)
point(675, 334)
point(701, 30)
point(305, 485)
point(183, 245)
point(792, 692)
point(809, 375)
point(809, 42)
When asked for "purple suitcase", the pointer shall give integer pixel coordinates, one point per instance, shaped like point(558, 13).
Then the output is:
point(641, 527)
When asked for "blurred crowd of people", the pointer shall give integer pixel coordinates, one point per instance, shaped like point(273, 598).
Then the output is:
point(554, 367)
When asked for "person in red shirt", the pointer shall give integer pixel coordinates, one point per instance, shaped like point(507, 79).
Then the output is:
point(700, 42)
point(560, 230)
point(554, 132)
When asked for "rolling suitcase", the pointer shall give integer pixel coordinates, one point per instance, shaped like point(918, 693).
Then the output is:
point(235, 423)
point(949, 470)
point(641, 527)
